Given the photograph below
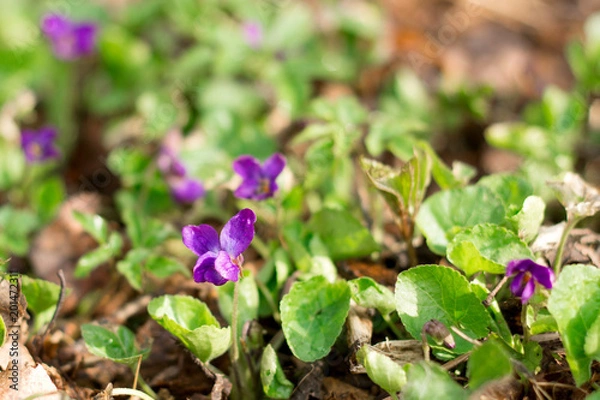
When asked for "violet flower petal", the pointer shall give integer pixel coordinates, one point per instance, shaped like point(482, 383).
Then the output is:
point(247, 167)
point(55, 26)
point(186, 190)
point(273, 166)
point(238, 232)
point(204, 270)
point(201, 239)
point(542, 274)
point(247, 189)
point(516, 286)
point(527, 291)
point(226, 268)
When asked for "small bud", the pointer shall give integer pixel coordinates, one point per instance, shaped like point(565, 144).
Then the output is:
point(439, 333)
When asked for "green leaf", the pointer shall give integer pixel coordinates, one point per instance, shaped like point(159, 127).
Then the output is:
point(530, 218)
point(163, 267)
point(117, 343)
point(42, 297)
point(93, 224)
point(312, 316)
point(368, 293)
point(487, 363)
point(191, 321)
point(511, 189)
point(47, 196)
point(486, 248)
point(89, 261)
point(445, 212)
point(574, 303)
point(247, 301)
point(592, 340)
point(382, 370)
point(429, 381)
point(442, 293)
point(274, 382)
point(342, 234)
point(403, 189)
point(445, 177)
point(15, 227)
point(132, 266)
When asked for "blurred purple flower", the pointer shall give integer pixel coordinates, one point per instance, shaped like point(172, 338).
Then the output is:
point(258, 180)
point(39, 146)
point(185, 190)
point(253, 34)
point(70, 40)
point(527, 273)
point(220, 258)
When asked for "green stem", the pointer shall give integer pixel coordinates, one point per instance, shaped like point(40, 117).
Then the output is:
point(265, 291)
point(132, 392)
point(561, 245)
point(392, 326)
point(235, 354)
point(524, 323)
point(144, 386)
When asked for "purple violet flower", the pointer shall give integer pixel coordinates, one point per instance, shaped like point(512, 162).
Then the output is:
point(258, 180)
point(185, 190)
point(527, 273)
point(253, 34)
point(70, 40)
point(39, 146)
point(220, 258)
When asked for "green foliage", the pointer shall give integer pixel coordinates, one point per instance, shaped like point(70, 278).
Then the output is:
point(574, 303)
point(42, 297)
point(274, 382)
point(312, 316)
point(342, 234)
point(382, 370)
point(429, 381)
point(488, 362)
point(446, 212)
point(368, 293)
point(436, 292)
point(115, 343)
point(486, 248)
point(190, 320)
point(247, 302)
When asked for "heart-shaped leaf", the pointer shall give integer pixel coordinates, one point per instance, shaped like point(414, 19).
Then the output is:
point(442, 293)
point(191, 321)
point(445, 212)
point(486, 248)
point(114, 343)
point(312, 316)
point(574, 303)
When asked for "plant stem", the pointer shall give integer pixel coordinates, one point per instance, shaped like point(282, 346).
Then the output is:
point(235, 354)
point(524, 323)
point(144, 386)
point(131, 392)
point(392, 326)
point(561, 245)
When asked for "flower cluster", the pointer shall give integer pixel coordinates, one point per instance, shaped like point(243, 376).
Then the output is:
point(220, 257)
point(69, 39)
point(258, 181)
point(38, 146)
point(184, 189)
point(527, 273)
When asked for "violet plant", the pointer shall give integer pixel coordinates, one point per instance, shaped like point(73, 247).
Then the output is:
point(297, 294)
